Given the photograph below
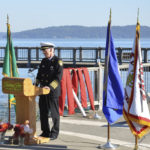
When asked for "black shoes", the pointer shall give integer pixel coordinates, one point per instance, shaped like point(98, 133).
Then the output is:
point(53, 137)
point(44, 134)
point(48, 135)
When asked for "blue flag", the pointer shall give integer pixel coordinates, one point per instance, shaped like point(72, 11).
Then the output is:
point(113, 93)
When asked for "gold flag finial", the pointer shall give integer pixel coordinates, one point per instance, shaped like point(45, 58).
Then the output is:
point(138, 24)
point(138, 16)
point(7, 19)
point(8, 25)
point(110, 16)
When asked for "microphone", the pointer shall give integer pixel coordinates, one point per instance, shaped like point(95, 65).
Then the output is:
point(32, 69)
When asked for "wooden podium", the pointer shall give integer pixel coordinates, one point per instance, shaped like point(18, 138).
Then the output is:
point(25, 93)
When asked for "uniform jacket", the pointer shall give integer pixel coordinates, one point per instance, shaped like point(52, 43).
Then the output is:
point(50, 74)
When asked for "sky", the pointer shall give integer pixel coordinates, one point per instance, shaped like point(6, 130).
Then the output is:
point(32, 14)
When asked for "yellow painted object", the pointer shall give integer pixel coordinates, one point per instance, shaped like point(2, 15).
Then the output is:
point(25, 93)
point(21, 86)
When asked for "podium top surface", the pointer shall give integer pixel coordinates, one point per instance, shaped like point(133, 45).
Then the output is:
point(21, 86)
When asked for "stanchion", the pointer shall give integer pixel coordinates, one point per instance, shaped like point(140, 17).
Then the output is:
point(136, 143)
point(108, 145)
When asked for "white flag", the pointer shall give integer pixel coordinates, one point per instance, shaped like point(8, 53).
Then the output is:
point(136, 110)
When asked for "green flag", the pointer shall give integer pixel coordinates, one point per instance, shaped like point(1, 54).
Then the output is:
point(10, 66)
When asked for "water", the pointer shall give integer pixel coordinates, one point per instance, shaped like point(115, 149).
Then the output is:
point(59, 43)
point(76, 42)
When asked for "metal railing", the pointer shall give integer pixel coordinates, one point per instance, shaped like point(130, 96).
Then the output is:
point(72, 56)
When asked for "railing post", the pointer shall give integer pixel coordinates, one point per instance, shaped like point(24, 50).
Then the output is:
point(96, 56)
point(74, 57)
point(16, 53)
point(58, 52)
point(99, 52)
point(29, 58)
point(120, 55)
point(100, 86)
point(145, 55)
point(37, 54)
point(80, 54)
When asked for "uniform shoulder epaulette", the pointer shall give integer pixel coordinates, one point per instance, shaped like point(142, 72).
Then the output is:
point(60, 62)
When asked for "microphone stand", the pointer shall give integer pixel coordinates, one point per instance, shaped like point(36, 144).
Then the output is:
point(30, 71)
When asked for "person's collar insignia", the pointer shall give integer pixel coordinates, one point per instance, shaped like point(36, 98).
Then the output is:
point(60, 62)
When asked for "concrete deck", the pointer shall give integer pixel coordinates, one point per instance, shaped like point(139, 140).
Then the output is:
point(87, 133)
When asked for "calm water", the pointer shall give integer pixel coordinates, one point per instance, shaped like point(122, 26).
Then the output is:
point(76, 42)
point(60, 43)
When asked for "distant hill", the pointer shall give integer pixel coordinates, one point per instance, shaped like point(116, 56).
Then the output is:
point(81, 32)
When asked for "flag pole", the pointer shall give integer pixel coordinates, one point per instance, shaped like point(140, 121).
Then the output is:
point(8, 94)
point(136, 143)
point(108, 145)
point(108, 132)
point(136, 138)
point(108, 126)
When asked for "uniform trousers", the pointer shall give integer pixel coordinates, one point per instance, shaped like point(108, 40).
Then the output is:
point(49, 104)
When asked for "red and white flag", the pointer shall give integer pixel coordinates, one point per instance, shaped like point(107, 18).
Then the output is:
point(136, 111)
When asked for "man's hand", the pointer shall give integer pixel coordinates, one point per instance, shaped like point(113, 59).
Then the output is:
point(46, 87)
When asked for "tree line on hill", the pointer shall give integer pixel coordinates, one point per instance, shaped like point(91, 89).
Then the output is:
point(75, 31)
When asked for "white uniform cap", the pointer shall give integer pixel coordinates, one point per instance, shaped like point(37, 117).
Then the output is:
point(45, 45)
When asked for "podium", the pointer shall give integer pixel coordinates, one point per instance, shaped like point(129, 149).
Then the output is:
point(25, 93)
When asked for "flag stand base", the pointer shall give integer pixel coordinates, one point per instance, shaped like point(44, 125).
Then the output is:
point(137, 148)
point(96, 116)
point(108, 145)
